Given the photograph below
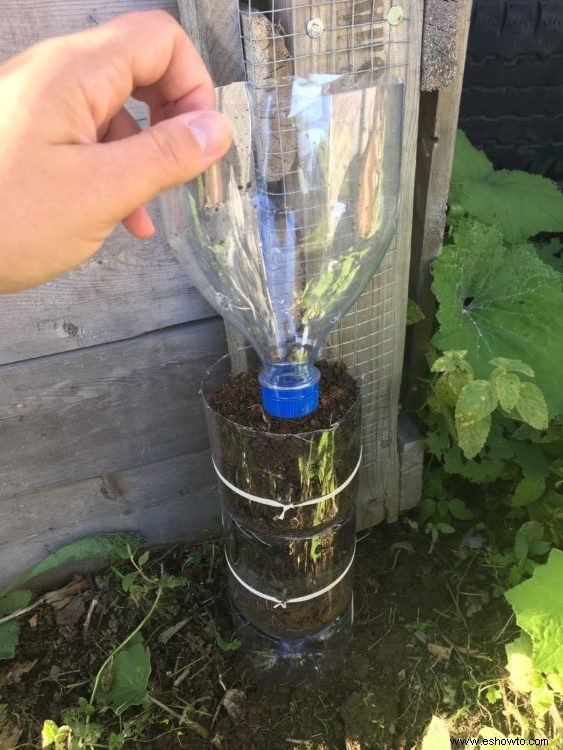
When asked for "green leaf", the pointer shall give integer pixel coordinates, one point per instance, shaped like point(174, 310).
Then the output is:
point(531, 406)
point(426, 509)
point(15, 600)
point(521, 204)
point(508, 390)
point(167, 581)
point(449, 386)
point(551, 253)
point(527, 540)
point(116, 741)
point(555, 682)
point(128, 580)
point(500, 302)
point(451, 361)
point(549, 512)
point(444, 528)
point(131, 669)
point(194, 558)
point(530, 458)
point(493, 695)
point(107, 545)
point(9, 639)
point(523, 676)
point(48, 733)
point(528, 490)
point(459, 509)
point(512, 365)
point(437, 735)
point(224, 645)
point(10, 631)
point(469, 162)
point(537, 606)
point(55, 737)
point(414, 313)
point(472, 438)
point(490, 733)
point(143, 559)
point(541, 699)
point(476, 401)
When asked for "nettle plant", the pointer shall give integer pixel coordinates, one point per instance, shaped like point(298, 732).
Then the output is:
point(494, 412)
point(495, 397)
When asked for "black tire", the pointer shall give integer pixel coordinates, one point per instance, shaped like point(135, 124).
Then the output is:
point(512, 102)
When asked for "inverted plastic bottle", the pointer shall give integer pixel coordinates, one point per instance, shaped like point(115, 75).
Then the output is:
point(282, 235)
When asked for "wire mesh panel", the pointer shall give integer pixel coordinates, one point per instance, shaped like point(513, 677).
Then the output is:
point(282, 38)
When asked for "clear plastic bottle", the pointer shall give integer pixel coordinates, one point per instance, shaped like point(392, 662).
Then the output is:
point(282, 241)
point(290, 556)
point(281, 238)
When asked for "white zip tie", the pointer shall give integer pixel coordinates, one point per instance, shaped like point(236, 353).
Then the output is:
point(296, 600)
point(287, 506)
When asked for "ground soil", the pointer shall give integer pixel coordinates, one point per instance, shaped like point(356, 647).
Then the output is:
point(427, 633)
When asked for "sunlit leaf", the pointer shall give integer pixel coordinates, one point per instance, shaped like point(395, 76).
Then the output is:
point(496, 301)
point(437, 735)
point(537, 606)
point(521, 204)
point(130, 670)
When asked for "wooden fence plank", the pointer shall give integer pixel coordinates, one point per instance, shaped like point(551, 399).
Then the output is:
point(73, 416)
point(167, 501)
point(126, 289)
point(436, 139)
point(24, 22)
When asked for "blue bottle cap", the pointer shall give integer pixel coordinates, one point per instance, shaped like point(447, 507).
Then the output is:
point(290, 403)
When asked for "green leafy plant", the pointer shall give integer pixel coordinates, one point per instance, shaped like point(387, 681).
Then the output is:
point(493, 415)
point(10, 629)
point(535, 658)
point(497, 301)
point(467, 403)
point(520, 204)
point(491, 418)
point(104, 546)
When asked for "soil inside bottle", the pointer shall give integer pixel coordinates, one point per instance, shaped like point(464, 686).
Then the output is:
point(289, 460)
point(313, 455)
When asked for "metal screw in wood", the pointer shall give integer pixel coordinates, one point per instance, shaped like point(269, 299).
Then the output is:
point(395, 15)
point(315, 28)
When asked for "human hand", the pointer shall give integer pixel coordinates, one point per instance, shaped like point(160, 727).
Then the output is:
point(73, 162)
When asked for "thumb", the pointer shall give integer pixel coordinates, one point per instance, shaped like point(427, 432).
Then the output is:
point(173, 151)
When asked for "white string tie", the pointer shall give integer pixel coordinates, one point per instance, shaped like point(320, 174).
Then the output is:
point(296, 600)
point(287, 506)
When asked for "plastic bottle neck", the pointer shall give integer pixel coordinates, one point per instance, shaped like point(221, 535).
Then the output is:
point(290, 390)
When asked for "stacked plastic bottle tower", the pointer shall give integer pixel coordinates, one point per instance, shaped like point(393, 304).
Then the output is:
point(281, 237)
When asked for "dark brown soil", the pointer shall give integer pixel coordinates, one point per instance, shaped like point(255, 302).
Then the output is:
point(239, 400)
point(427, 633)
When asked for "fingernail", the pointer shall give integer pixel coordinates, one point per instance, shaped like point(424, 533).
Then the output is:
point(211, 130)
